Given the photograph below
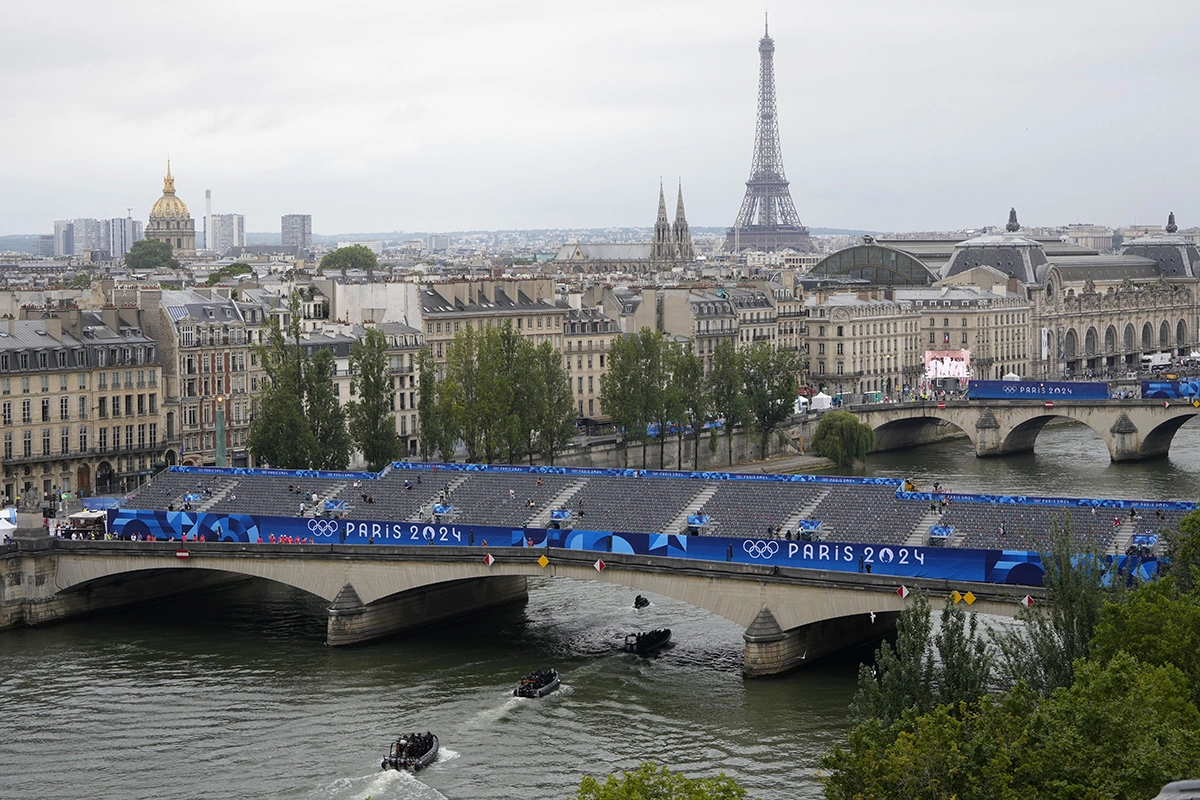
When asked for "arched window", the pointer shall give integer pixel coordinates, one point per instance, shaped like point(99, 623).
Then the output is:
point(1089, 342)
point(1181, 334)
point(1129, 338)
point(1164, 335)
point(1071, 345)
point(1110, 340)
point(1147, 337)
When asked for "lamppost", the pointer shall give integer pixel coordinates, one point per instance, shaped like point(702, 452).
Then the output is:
point(221, 431)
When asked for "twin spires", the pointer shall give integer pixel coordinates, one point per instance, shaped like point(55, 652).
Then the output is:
point(671, 243)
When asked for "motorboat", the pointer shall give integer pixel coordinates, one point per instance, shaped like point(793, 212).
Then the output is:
point(647, 642)
point(411, 752)
point(538, 683)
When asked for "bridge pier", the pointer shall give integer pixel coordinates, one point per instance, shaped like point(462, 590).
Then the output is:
point(770, 650)
point(352, 622)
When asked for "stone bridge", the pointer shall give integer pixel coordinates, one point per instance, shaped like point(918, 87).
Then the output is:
point(791, 615)
point(1131, 429)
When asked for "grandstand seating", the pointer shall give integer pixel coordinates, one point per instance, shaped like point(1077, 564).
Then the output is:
point(866, 513)
point(631, 504)
point(856, 513)
point(739, 508)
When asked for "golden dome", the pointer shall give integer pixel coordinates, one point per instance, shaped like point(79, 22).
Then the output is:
point(169, 206)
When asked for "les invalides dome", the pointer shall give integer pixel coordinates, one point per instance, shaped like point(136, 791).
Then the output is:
point(170, 220)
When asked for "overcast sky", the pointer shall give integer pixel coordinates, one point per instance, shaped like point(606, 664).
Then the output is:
point(472, 114)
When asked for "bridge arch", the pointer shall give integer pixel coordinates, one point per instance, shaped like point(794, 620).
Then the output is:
point(1022, 436)
point(1157, 441)
point(911, 431)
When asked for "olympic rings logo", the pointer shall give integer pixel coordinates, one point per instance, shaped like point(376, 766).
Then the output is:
point(323, 527)
point(1010, 390)
point(760, 549)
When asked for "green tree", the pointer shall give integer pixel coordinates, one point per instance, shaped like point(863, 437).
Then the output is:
point(229, 271)
point(842, 438)
point(692, 400)
point(726, 384)
point(1157, 624)
point(654, 390)
point(436, 420)
point(279, 431)
point(150, 254)
point(621, 392)
point(461, 400)
point(556, 406)
point(372, 427)
point(770, 388)
point(652, 782)
point(1183, 552)
point(1042, 653)
point(326, 418)
point(82, 280)
point(354, 256)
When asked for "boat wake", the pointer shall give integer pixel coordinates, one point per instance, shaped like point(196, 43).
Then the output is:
point(494, 714)
point(383, 784)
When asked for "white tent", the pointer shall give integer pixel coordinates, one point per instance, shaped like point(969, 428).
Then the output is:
point(801, 403)
point(1012, 376)
point(820, 401)
point(8, 519)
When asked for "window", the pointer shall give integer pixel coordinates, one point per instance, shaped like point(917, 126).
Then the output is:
point(128, 379)
point(64, 408)
point(26, 411)
point(45, 383)
point(6, 385)
point(154, 375)
point(932, 337)
point(821, 348)
point(103, 381)
point(103, 439)
point(43, 361)
point(964, 338)
point(64, 440)
point(141, 433)
point(116, 405)
point(83, 444)
point(82, 407)
point(8, 413)
point(8, 446)
point(62, 379)
point(45, 441)
point(153, 403)
point(141, 404)
point(102, 408)
point(45, 409)
point(128, 436)
point(153, 434)
point(25, 385)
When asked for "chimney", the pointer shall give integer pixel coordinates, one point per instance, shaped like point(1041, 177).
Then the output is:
point(1012, 285)
point(54, 328)
point(12, 325)
point(111, 317)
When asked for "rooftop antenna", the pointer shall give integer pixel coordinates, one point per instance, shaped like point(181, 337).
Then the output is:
point(766, 24)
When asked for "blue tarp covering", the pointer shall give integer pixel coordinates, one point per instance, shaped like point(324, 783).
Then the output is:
point(335, 505)
point(100, 503)
point(1036, 390)
point(696, 520)
point(810, 524)
point(441, 509)
point(941, 531)
point(560, 513)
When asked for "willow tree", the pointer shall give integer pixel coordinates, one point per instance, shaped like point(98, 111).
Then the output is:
point(842, 438)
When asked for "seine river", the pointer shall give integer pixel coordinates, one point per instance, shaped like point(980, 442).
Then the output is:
point(233, 693)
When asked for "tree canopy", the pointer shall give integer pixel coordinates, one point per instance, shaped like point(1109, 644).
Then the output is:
point(353, 256)
point(504, 398)
point(842, 438)
point(229, 271)
point(150, 254)
point(770, 381)
point(372, 426)
point(653, 782)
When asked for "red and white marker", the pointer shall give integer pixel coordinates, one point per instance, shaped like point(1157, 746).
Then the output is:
point(903, 592)
point(182, 554)
point(1026, 601)
point(599, 565)
point(487, 559)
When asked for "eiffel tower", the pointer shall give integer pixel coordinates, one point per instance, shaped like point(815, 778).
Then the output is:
point(767, 220)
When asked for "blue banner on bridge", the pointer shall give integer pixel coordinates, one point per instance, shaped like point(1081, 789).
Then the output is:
point(958, 564)
point(1036, 390)
point(1187, 389)
point(1055, 502)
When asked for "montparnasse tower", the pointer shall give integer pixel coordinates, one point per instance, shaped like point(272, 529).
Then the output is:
point(170, 220)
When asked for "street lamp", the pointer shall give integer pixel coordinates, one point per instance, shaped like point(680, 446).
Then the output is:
point(221, 431)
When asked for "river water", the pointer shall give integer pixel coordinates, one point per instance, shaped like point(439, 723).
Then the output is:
point(233, 693)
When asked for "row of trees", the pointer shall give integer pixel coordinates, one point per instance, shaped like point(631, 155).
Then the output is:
point(503, 397)
point(299, 421)
point(1096, 696)
point(653, 383)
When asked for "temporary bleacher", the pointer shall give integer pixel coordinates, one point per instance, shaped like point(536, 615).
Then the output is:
point(1008, 526)
point(742, 508)
point(506, 499)
point(867, 513)
point(645, 505)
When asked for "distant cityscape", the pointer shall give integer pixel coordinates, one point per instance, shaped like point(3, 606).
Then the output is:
point(872, 315)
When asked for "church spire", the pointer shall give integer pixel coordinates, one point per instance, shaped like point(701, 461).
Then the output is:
point(681, 234)
point(168, 181)
point(662, 248)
